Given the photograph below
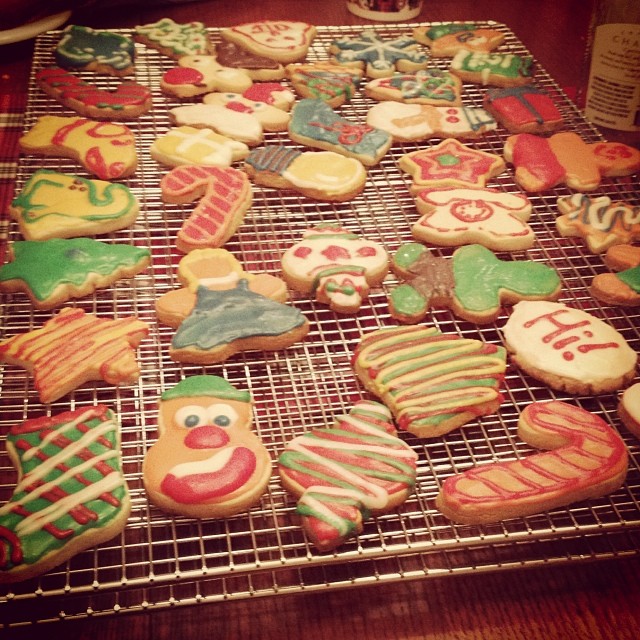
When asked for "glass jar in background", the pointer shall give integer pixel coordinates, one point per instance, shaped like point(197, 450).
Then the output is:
point(612, 97)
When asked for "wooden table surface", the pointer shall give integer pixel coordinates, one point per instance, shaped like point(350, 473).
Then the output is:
point(577, 600)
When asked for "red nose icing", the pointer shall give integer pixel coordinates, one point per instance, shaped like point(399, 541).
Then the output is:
point(206, 437)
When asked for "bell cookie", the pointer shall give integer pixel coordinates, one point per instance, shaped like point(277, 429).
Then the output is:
point(315, 124)
point(206, 462)
point(335, 266)
point(282, 40)
point(497, 69)
point(452, 217)
point(445, 40)
point(105, 149)
point(127, 101)
point(417, 122)
point(332, 83)
point(629, 409)
point(473, 283)
point(585, 458)
point(427, 86)
point(568, 349)
point(59, 205)
point(85, 49)
point(72, 493)
point(432, 382)
point(270, 118)
point(53, 272)
point(224, 195)
point(174, 39)
point(75, 347)
point(321, 175)
point(344, 474)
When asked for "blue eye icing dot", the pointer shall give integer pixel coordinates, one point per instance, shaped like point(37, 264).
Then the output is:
point(192, 420)
point(222, 421)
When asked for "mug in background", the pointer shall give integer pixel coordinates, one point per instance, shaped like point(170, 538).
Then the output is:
point(386, 10)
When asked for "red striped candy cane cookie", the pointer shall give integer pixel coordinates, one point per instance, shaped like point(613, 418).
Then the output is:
point(586, 459)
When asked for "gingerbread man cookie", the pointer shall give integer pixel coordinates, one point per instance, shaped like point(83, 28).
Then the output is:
point(271, 118)
point(378, 57)
point(427, 86)
point(206, 463)
point(445, 40)
point(474, 283)
point(174, 39)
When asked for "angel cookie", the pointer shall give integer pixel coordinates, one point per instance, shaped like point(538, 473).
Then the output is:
point(322, 175)
point(174, 39)
point(445, 40)
point(105, 149)
point(473, 283)
point(376, 56)
point(335, 266)
point(72, 493)
point(206, 463)
point(452, 217)
point(344, 474)
point(59, 205)
point(432, 382)
point(427, 86)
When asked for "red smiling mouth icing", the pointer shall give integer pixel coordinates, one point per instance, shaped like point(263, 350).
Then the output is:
point(214, 478)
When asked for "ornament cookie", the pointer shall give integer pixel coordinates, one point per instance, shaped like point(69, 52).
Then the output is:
point(427, 86)
point(282, 40)
point(432, 382)
point(452, 217)
point(337, 267)
point(75, 347)
point(376, 56)
point(85, 49)
point(498, 69)
point(52, 272)
point(71, 494)
point(322, 175)
point(333, 83)
point(474, 283)
point(271, 118)
point(445, 40)
point(344, 474)
point(188, 145)
point(599, 221)
point(451, 163)
point(586, 458)
point(174, 39)
point(105, 149)
point(258, 68)
point(629, 409)
point(214, 269)
point(416, 122)
point(58, 205)
point(206, 463)
point(568, 349)
point(315, 124)
point(127, 101)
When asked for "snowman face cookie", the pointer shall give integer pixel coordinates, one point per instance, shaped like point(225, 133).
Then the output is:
point(206, 463)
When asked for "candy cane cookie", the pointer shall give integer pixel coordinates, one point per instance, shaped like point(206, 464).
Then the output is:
point(586, 458)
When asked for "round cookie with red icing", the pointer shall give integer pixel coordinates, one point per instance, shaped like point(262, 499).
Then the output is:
point(206, 463)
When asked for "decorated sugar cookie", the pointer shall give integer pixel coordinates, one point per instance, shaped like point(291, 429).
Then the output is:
point(453, 217)
point(259, 68)
point(445, 40)
point(273, 93)
point(71, 494)
point(568, 349)
point(499, 69)
point(432, 382)
point(622, 288)
point(206, 463)
point(586, 458)
point(333, 83)
point(629, 409)
point(377, 56)
point(105, 149)
point(346, 473)
point(58, 205)
point(270, 118)
point(473, 283)
point(174, 39)
point(622, 256)
point(452, 164)
point(427, 86)
point(335, 266)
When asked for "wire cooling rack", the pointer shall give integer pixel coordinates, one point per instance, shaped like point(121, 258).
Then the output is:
point(161, 560)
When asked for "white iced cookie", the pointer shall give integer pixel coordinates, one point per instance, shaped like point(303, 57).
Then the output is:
point(629, 409)
point(270, 117)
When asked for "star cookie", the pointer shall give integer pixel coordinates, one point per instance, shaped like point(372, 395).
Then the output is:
point(379, 57)
point(453, 217)
point(75, 347)
point(452, 164)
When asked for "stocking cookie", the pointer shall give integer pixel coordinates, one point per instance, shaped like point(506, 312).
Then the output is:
point(334, 84)
point(445, 40)
point(586, 459)
point(499, 69)
point(344, 474)
point(474, 283)
point(270, 118)
point(335, 266)
point(173, 39)
point(432, 382)
point(206, 463)
point(453, 217)
point(568, 349)
point(71, 494)
point(105, 149)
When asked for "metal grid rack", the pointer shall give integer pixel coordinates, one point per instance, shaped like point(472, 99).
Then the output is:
point(161, 560)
